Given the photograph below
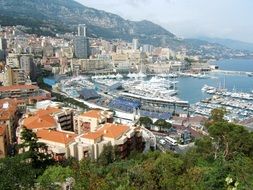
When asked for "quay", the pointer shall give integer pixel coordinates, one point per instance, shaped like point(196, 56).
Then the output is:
point(231, 72)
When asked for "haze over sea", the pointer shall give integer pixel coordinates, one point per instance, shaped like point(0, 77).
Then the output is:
point(190, 88)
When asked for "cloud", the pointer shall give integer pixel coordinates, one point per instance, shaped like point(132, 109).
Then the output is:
point(188, 18)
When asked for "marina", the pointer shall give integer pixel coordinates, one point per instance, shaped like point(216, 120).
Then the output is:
point(164, 95)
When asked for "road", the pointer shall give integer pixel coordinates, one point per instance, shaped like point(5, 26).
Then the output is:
point(168, 147)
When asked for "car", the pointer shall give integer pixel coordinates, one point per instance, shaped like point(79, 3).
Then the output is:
point(162, 141)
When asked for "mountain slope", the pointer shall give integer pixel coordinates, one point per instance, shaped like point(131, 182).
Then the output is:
point(48, 17)
point(234, 44)
point(69, 13)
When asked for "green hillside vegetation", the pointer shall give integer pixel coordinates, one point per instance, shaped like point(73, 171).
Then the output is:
point(222, 160)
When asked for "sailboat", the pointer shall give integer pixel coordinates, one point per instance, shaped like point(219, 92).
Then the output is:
point(141, 74)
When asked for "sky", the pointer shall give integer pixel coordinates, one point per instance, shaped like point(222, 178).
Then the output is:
point(231, 19)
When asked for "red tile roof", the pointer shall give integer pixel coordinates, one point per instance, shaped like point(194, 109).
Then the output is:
point(92, 113)
point(37, 122)
point(8, 108)
point(17, 87)
point(42, 119)
point(109, 130)
point(56, 136)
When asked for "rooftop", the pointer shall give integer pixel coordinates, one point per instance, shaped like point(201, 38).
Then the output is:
point(55, 136)
point(39, 122)
point(109, 130)
point(8, 108)
point(92, 113)
point(17, 87)
point(48, 111)
point(42, 119)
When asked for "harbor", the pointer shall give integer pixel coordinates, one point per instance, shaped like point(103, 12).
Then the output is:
point(162, 96)
point(154, 97)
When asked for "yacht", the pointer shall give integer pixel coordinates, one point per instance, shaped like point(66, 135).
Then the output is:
point(130, 75)
point(172, 75)
point(156, 79)
point(250, 74)
point(119, 76)
point(206, 88)
point(141, 75)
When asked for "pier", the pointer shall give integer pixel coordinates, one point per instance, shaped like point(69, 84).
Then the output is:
point(231, 72)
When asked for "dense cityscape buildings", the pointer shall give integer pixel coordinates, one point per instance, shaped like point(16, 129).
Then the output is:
point(27, 54)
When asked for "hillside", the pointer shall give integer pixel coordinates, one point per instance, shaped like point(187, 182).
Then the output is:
point(234, 44)
point(65, 15)
point(48, 17)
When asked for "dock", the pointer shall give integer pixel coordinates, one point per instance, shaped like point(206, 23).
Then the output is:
point(231, 72)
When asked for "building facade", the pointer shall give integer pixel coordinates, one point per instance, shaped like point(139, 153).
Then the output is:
point(4, 141)
point(82, 30)
point(81, 47)
point(9, 118)
point(90, 121)
point(14, 76)
point(122, 137)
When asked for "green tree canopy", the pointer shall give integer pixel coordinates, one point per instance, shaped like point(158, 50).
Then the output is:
point(146, 121)
point(163, 124)
point(16, 174)
point(217, 114)
point(34, 151)
point(54, 176)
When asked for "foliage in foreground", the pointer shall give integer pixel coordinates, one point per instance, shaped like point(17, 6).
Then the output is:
point(222, 160)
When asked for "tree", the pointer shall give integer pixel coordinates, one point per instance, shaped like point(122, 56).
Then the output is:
point(108, 155)
point(16, 174)
point(54, 176)
point(33, 151)
point(146, 121)
point(205, 147)
point(231, 139)
point(217, 114)
point(162, 124)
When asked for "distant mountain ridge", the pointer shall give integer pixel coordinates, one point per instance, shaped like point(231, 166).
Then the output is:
point(233, 44)
point(48, 17)
point(70, 13)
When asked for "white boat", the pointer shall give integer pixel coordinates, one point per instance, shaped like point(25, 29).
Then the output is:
point(141, 75)
point(119, 76)
point(156, 79)
point(163, 75)
point(172, 75)
point(130, 75)
point(250, 74)
point(206, 88)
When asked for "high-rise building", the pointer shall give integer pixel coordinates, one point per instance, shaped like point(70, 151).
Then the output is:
point(3, 47)
point(3, 44)
point(82, 30)
point(25, 63)
point(147, 48)
point(135, 44)
point(81, 45)
point(12, 60)
point(14, 76)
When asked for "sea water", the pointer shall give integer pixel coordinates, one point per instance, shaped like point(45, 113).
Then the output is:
point(189, 88)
